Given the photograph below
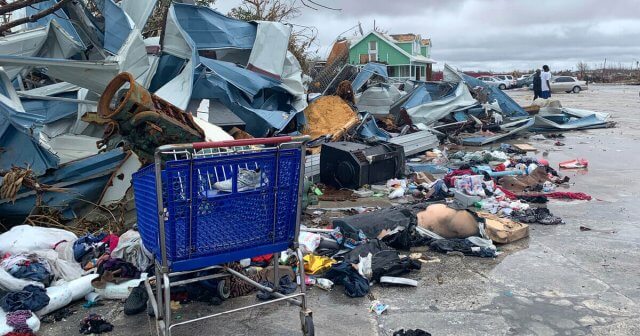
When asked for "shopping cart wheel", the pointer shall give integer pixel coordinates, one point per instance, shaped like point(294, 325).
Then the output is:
point(307, 326)
point(224, 290)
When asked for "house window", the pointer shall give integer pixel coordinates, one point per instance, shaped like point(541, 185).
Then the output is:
point(373, 51)
point(397, 71)
point(364, 58)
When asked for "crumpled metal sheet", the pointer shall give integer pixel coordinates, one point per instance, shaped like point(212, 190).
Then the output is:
point(269, 50)
point(59, 16)
point(366, 73)
point(49, 41)
point(20, 144)
point(424, 107)
point(211, 30)
point(117, 26)
point(508, 106)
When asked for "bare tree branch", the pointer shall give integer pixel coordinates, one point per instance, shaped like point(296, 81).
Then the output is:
point(33, 18)
point(4, 9)
point(323, 6)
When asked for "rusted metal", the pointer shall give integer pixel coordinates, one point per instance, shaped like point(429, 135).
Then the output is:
point(139, 120)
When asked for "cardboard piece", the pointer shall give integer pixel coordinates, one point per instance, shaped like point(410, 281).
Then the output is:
point(525, 147)
point(503, 230)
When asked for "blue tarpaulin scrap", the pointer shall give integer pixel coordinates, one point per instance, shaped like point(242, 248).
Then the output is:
point(211, 30)
point(509, 107)
point(59, 16)
point(117, 26)
point(367, 72)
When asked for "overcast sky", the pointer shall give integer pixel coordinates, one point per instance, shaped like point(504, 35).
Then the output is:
point(498, 35)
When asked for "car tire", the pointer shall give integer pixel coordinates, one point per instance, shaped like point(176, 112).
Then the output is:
point(576, 89)
point(502, 87)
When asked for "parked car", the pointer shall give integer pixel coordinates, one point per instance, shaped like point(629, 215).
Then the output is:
point(490, 80)
point(566, 84)
point(524, 80)
point(507, 79)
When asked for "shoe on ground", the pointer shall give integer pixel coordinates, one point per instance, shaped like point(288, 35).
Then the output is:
point(136, 303)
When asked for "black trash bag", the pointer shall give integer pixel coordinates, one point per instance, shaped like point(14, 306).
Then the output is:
point(411, 332)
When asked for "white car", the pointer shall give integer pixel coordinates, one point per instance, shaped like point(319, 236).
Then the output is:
point(490, 80)
point(567, 84)
point(507, 79)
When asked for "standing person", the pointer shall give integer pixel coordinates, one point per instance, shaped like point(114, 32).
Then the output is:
point(545, 77)
point(537, 85)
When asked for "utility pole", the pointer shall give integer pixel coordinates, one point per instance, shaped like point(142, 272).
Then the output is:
point(604, 66)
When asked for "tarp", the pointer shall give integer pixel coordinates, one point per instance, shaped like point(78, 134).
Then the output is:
point(211, 30)
point(366, 73)
point(270, 48)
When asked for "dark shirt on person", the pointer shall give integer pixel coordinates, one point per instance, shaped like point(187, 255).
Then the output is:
point(537, 83)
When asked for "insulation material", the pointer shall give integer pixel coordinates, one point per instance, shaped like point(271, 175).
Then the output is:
point(327, 115)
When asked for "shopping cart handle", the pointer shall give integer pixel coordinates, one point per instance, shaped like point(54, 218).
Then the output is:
point(249, 142)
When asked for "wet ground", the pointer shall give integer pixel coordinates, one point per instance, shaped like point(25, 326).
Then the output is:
point(559, 281)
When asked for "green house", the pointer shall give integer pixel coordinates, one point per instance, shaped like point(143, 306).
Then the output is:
point(407, 56)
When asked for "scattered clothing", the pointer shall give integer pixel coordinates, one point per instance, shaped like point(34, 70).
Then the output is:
point(130, 249)
point(237, 286)
point(465, 246)
point(314, 264)
point(449, 178)
point(86, 244)
point(285, 287)
point(28, 267)
point(94, 324)
point(31, 298)
point(355, 285)
point(18, 320)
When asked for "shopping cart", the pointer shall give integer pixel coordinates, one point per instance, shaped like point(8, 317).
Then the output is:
point(202, 205)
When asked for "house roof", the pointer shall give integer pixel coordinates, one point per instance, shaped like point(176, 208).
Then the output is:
point(339, 48)
point(409, 37)
point(425, 42)
point(389, 40)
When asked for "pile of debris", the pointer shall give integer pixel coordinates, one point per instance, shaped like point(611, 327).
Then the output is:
point(84, 106)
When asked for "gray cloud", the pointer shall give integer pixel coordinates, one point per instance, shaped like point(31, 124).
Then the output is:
point(494, 34)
